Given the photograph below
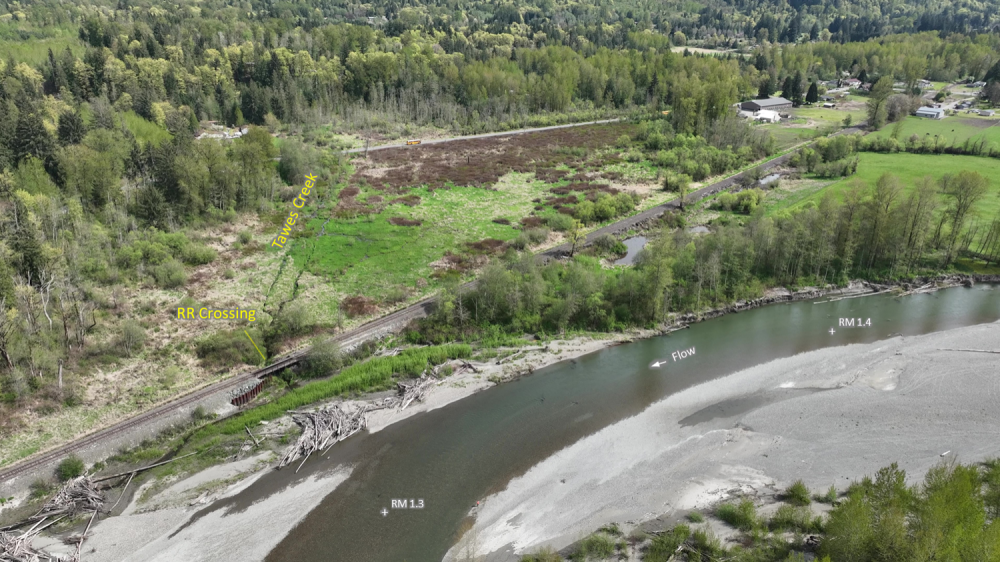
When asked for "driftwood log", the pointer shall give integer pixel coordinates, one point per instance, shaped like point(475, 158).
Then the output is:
point(321, 430)
point(78, 496)
point(324, 428)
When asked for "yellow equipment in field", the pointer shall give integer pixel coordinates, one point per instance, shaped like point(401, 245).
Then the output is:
point(412, 142)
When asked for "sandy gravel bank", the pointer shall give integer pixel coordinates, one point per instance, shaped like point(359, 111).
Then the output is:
point(165, 527)
point(827, 417)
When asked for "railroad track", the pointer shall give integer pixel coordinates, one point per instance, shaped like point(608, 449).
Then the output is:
point(352, 338)
point(348, 339)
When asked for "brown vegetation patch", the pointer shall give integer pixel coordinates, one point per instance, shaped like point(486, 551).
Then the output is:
point(348, 193)
point(480, 162)
point(402, 221)
point(566, 200)
point(486, 246)
point(501, 220)
point(408, 200)
point(549, 175)
point(532, 222)
point(358, 306)
point(565, 210)
point(349, 209)
point(374, 199)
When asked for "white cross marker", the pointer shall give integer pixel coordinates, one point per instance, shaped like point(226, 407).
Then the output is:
point(385, 512)
point(832, 331)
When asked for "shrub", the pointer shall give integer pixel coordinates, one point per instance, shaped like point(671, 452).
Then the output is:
point(695, 517)
point(200, 414)
point(226, 348)
point(41, 488)
point(131, 337)
point(546, 554)
point(244, 237)
point(829, 497)
point(598, 545)
point(665, 546)
point(742, 516)
point(169, 274)
point(537, 235)
point(560, 222)
point(70, 468)
point(197, 254)
point(322, 359)
point(290, 322)
point(789, 518)
point(797, 494)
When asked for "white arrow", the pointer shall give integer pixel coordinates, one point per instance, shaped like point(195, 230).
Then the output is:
point(658, 363)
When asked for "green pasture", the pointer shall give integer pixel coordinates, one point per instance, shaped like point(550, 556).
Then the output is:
point(950, 130)
point(907, 167)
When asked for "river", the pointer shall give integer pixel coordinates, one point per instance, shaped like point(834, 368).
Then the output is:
point(452, 457)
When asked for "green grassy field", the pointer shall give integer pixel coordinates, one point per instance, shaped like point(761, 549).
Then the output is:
point(787, 135)
point(950, 130)
point(368, 255)
point(908, 168)
point(832, 117)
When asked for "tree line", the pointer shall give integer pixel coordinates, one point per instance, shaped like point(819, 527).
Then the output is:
point(876, 231)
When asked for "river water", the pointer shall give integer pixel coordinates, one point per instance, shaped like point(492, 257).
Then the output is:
point(454, 456)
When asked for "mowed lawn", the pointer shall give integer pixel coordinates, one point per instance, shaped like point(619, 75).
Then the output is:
point(950, 130)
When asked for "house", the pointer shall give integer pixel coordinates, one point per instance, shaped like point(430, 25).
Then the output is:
point(923, 84)
point(931, 112)
point(829, 105)
point(986, 112)
point(852, 83)
point(766, 116)
point(770, 104)
point(979, 84)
